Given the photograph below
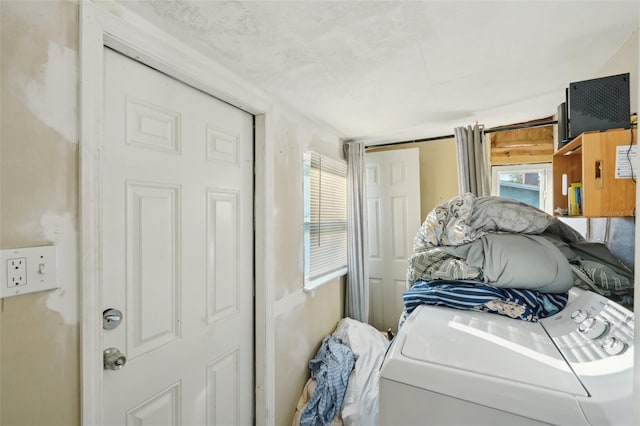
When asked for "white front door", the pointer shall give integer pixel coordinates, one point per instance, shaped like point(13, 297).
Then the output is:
point(393, 203)
point(177, 244)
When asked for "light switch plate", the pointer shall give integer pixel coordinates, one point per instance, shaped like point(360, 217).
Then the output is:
point(27, 270)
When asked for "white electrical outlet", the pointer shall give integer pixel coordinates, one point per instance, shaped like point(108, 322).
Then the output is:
point(28, 270)
point(16, 271)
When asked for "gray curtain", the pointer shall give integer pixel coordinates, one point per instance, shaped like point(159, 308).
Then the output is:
point(357, 300)
point(473, 166)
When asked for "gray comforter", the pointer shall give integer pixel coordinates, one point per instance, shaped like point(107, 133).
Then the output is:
point(510, 245)
point(466, 218)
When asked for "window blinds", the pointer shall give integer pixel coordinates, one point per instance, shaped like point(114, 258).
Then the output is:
point(325, 217)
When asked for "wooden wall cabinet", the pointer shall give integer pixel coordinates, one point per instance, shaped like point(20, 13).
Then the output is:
point(591, 160)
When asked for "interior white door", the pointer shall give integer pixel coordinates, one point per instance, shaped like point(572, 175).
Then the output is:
point(177, 244)
point(393, 204)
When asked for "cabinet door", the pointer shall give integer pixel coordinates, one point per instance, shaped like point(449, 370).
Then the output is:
point(604, 195)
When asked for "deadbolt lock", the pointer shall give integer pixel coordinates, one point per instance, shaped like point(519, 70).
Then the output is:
point(111, 318)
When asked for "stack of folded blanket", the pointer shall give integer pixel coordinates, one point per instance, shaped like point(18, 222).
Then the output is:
point(499, 255)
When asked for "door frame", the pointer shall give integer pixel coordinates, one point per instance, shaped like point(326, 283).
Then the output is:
point(113, 26)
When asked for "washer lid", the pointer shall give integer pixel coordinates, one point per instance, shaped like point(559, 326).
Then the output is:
point(488, 344)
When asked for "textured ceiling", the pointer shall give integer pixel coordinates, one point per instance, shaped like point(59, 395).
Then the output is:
point(400, 70)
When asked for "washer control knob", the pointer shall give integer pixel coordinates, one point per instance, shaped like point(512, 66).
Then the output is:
point(593, 328)
point(579, 316)
point(613, 346)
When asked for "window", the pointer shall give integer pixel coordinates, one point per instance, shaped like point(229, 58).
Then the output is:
point(325, 219)
point(529, 183)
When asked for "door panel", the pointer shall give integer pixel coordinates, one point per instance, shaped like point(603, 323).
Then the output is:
point(160, 409)
point(222, 254)
point(152, 265)
point(177, 243)
point(393, 203)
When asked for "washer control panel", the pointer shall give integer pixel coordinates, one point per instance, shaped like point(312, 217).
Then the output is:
point(591, 327)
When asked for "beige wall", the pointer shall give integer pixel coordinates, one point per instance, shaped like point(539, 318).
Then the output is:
point(299, 332)
point(39, 333)
point(39, 366)
point(303, 319)
point(438, 171)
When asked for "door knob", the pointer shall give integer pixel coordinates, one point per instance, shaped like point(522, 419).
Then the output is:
point(113, 359)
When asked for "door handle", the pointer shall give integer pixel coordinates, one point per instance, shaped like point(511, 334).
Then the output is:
point(113, 359)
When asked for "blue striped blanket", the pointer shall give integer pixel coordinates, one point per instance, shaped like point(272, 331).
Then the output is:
point(527, 305)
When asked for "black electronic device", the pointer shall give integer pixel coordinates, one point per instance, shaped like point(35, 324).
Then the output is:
point(563, 125)
point(599, 104)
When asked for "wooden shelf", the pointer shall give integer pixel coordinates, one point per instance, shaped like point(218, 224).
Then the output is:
point(591, 160)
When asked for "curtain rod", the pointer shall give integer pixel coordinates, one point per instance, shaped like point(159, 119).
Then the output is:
point(492, 130)
point(436, 138)
point(521, 126)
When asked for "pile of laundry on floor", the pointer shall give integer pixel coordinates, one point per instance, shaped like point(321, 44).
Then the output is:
point(343, 388)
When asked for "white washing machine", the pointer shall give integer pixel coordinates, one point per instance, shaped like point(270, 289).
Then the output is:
point(456, 367)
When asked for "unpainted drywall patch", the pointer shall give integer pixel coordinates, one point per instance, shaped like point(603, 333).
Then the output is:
point(59, 230)
point(52, 97)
